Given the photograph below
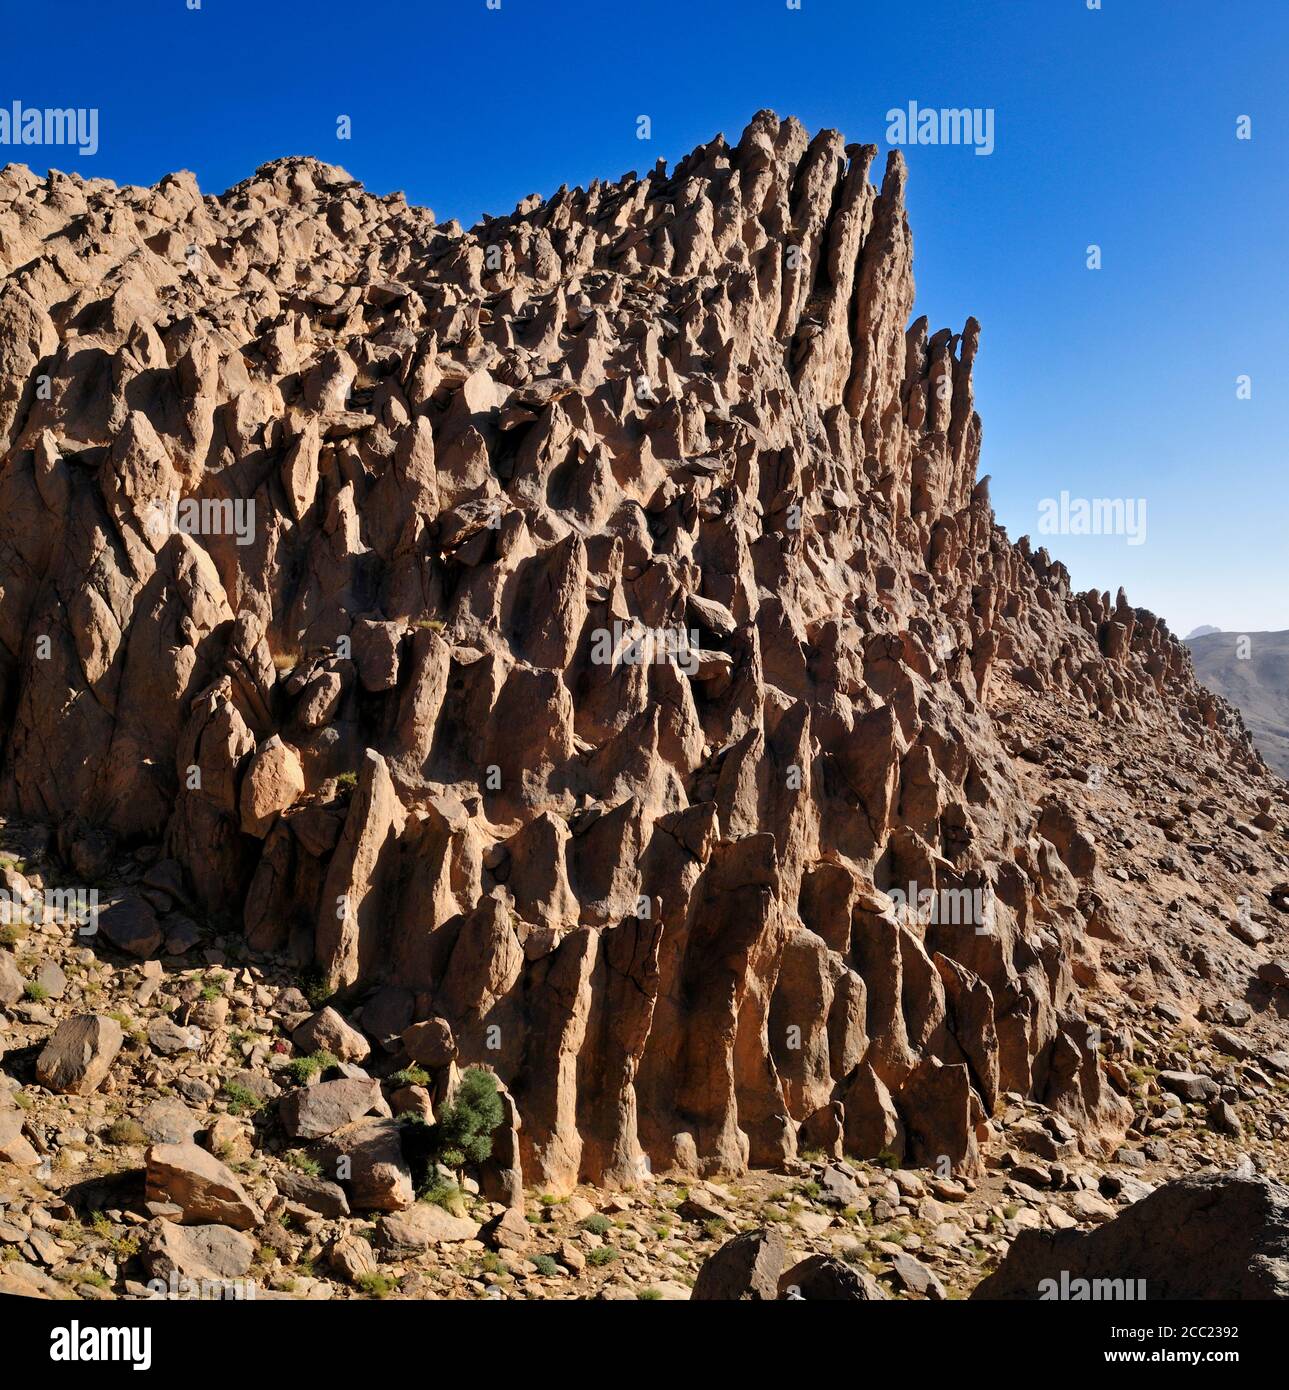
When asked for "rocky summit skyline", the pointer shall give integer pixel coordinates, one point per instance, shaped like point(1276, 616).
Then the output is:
point(571, 791)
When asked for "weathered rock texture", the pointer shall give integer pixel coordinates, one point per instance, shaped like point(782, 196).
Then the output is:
point(343, 554)
point(1214, 1236)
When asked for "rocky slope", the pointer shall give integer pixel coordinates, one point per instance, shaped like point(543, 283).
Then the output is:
point(1251, 670)
point(561, 645)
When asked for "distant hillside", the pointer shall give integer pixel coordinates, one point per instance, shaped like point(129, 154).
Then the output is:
point(1202, 631)
point(1258, 684)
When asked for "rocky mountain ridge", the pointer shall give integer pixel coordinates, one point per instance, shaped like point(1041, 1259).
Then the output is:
point(574, 645)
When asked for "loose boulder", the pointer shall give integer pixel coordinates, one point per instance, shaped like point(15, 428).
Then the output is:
point(1215, 1236)
point(76, 1060)
point(200, 1186)
point(745, 1269)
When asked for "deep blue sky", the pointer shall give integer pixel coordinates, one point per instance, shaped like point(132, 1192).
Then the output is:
point(1114, 126)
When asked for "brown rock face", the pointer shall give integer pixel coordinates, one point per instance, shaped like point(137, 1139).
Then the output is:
point(366, 1158)
point(203, 1188)
point(274, 779)
point(745, 1269)
point(314, 1111)
point(1220, 1235)
point(581, 641)
point(211, 1252)
point(76, 1060)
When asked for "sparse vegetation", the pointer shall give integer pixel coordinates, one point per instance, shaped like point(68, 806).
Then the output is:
point(314, 987)
point(125, 1131)
point(439, 1192)
point(304, 1069)
point(463, 1132)
point(410, 1076)
point(241, 1099)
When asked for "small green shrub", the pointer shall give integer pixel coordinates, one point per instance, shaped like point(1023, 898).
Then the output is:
point(314, 987)
point(35, 991)
point(241, 1099)
point(597, 1223)
point(463, 1133)
point(125, 1131)
point(545, 1266)
point(602, 1255)
point(410, 1076)
point(304, 1069)
point(378, 1285)
point(439, 1192)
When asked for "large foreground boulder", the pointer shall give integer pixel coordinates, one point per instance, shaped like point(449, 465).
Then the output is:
point(366, 1158)
point(320, 1109)
point(750, 1268)
point(200, 1186)
point(197, 1252)
point(1213, 1236)
point(745, 1269)
point(76, 1060)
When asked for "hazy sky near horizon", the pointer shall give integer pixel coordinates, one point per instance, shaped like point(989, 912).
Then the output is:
point(1114, 127)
